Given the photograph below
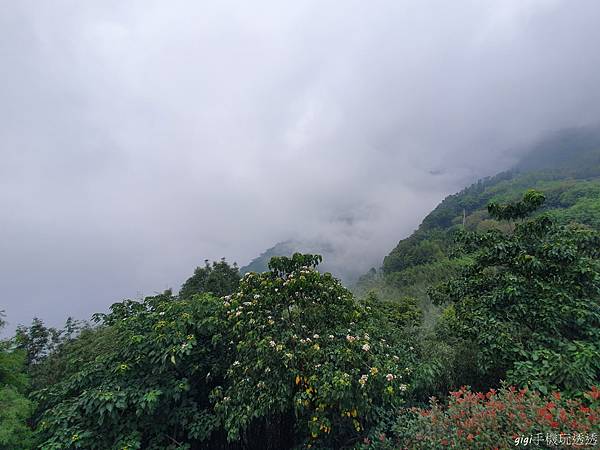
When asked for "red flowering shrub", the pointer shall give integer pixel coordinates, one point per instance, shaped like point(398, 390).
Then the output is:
point(498, 419)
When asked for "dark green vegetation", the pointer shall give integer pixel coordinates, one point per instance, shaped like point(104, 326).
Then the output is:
point(499, 285)
point(15, 407)
point(218, 279)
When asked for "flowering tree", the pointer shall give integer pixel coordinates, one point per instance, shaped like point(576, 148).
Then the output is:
point(311, 363)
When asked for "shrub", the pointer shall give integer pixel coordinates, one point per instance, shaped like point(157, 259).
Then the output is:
point(501, 419)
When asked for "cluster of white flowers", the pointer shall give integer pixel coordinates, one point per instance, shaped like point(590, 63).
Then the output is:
point(350, 338)
point(366, 347)
point(247, 303)
point(331, 336)
point(363, 380)
point(236, 363)
point(389, 377)
point(315, 336)
point(403, 387)
point(256, 296)
point(272, 343)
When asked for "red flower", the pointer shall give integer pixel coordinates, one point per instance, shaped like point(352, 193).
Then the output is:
point(554, 424)
point(556, 395)
point(595, 393)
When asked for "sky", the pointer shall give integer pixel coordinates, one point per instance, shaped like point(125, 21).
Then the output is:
point(139, 138)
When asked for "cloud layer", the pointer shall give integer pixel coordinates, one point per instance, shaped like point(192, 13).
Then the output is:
point(139, 138)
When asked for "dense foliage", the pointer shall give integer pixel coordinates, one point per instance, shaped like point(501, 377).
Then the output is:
point(218, 279)
point(530, 301)
point(15, 407)
point(291, 358)
point(497, 419)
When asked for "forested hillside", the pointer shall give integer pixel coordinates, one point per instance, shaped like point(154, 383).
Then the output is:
point(565, 167)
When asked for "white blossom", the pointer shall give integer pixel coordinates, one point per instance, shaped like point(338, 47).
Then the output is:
point(363, 380)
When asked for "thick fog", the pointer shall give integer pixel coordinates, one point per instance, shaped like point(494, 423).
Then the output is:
point(139, 138)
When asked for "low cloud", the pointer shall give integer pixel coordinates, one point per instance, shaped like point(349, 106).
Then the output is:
point(139, 138)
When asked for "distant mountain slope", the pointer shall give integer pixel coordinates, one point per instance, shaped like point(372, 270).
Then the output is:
point(287, 248)
point(566, 167)
point(260, 263)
